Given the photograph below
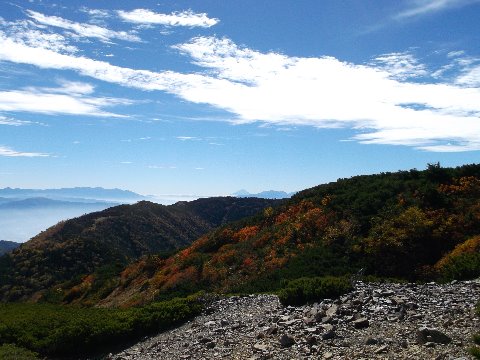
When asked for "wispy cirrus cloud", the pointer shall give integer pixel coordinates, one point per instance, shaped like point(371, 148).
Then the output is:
point(184, 18)
point(470, 75)
point(28, 33)
point(382, 101)
point(188, 138)
point(9, 152)
point(423, 7)
point(400, 66)
point(83, 29)
point(4, 120)
point(71, 99)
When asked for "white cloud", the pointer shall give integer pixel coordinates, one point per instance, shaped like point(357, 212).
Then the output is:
point(186, 138)
point(380, 101)
point(82, 30)
point(453, 54)
point(171, 167)
point(400, 66)
point(185, 18)
point(68, 99)
point(9, 152)
point(96, 13)
point(13, 122)
point(470, 77)
point(424, 7)
point(26, 32)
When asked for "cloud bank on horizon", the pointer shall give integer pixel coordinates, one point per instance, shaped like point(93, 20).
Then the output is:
point(392, 99)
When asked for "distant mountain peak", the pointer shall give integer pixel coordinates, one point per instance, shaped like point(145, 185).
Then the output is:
point(241, 193)
point(97, 193)
point(268, 194)
point(7, 246)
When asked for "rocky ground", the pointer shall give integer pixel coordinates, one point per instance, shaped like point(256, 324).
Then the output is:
point(375, 321)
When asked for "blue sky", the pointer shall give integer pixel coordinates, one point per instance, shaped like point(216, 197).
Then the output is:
point(209, 97)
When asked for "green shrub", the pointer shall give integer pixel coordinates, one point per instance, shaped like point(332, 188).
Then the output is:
point(57, 330)
point(304, 290)
point(12, 352)
point(475, 352)
point(462, 267)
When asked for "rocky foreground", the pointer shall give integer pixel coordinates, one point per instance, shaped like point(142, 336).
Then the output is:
point(375, 321)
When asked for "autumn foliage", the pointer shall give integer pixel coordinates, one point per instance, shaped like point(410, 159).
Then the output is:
point(409, 224)
point(391, 224)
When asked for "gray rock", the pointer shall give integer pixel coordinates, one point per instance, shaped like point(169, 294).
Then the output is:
point(425, 335)
point(286, 340)
point(361, 323)
point(332, 310)
point(328, 335)
point(210, 345)
point(381, 349)
point(260, 347)
point(272, 330)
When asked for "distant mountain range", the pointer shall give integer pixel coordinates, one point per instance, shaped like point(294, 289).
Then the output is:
point(7, 246)
point(26, 212)
point(78, 194)
point(269, 194)
point(37, 202)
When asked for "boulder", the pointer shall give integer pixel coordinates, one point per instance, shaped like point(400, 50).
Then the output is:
point(425, 335)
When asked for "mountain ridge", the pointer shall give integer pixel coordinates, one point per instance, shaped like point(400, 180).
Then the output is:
point(413, 225)
point(267, 194)
point(112, 238)
point(7, 246)
point(87, 193)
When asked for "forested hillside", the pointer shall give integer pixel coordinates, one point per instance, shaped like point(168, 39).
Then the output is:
point(415, 225)
point(409, 224)
point(106, 241)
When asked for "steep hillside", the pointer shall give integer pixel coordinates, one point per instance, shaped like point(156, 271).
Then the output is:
point(103, 242)
point(391, 225)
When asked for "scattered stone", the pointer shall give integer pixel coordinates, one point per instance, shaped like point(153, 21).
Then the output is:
point(286, 340)
point(328, 335)
point(260, 347)
point(361, 323)
point(210, 345)
point(332, 310)
point(312, 340)
point(272, 330)
point(381, 349)
point(391, 315)
point(425, 335)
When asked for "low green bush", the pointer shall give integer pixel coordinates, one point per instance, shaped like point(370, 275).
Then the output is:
point(475, 352)
point(304, 290)
point(12, 352)
point(462, 267)
point(57, 330)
